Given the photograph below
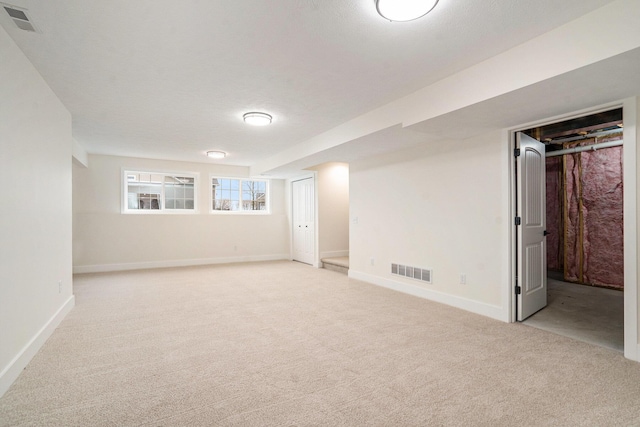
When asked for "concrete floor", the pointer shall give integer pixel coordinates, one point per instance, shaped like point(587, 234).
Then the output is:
point(586, 313)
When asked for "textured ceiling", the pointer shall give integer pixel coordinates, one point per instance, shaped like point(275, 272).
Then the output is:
point(170, 80)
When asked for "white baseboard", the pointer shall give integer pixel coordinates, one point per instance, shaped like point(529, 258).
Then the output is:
point(334, 254)
point(630, 354)
point(495, 312)
point(102, 268)
point(22, 359)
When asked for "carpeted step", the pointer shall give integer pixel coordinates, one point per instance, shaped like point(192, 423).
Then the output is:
point(338, 264)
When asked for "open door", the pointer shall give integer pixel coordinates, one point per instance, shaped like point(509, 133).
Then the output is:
point(531, 280)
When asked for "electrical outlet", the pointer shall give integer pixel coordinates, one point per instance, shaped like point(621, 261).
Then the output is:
point(372, 260)
point(463, 279)
point(59, 286)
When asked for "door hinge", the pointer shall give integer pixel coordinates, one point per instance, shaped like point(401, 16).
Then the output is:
point(516, 152)
point(518, 220)
point(518, 290)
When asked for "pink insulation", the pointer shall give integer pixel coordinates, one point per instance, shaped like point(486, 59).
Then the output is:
point(593, 233)
point(572, 246)
point(555, 202)
point(602, 210)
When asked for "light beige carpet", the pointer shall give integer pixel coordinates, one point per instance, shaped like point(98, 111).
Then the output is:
point(284, 344)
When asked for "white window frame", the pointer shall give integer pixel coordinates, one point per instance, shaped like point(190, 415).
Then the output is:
point(267, 196)
point(162, 210)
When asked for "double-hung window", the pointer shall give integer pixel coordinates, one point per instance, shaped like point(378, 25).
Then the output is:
point(148, 192)
point(239, 195)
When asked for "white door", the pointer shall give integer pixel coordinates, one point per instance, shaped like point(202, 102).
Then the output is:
point(303, 212)
point(531, 286)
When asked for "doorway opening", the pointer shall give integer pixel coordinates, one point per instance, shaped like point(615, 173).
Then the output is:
point(584, 228)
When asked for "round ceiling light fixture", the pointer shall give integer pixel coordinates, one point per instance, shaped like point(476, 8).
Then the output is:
point(404, 10)
point(257, 119)
point(216, 154)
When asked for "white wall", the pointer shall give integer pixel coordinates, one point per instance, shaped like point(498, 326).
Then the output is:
point(333, 209)
point(442, 206)
point(35, 215)
point(631, 159)
point(104, 239)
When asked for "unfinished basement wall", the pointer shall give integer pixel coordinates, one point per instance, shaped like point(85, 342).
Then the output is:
point(585, 215)
point(442, 206)
point(555, 213)
point(105, 239)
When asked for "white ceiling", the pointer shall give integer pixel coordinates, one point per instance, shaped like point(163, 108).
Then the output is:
point(171, 80)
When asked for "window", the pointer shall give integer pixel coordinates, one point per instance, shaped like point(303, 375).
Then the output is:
point(148, 192)
point(239, 195)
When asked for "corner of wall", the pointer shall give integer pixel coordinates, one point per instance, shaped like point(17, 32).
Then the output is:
point(22, 359)
point(79, 154)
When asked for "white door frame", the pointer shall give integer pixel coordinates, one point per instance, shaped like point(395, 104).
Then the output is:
point(313, 175)
point(630, 163)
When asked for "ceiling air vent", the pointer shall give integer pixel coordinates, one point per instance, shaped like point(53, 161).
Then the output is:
point(20, 18)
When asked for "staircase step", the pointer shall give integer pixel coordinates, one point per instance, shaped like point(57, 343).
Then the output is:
point(338, 264)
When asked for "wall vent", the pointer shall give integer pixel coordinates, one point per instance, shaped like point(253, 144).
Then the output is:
point(417, 273)
point(20, 17)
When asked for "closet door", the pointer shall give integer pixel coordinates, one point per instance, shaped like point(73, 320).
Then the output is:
point(303, 213)
point(532, 248)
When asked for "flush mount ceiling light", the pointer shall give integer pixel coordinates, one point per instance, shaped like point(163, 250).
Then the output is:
point(216, 154)
point(404, 10)
point(257, 119)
